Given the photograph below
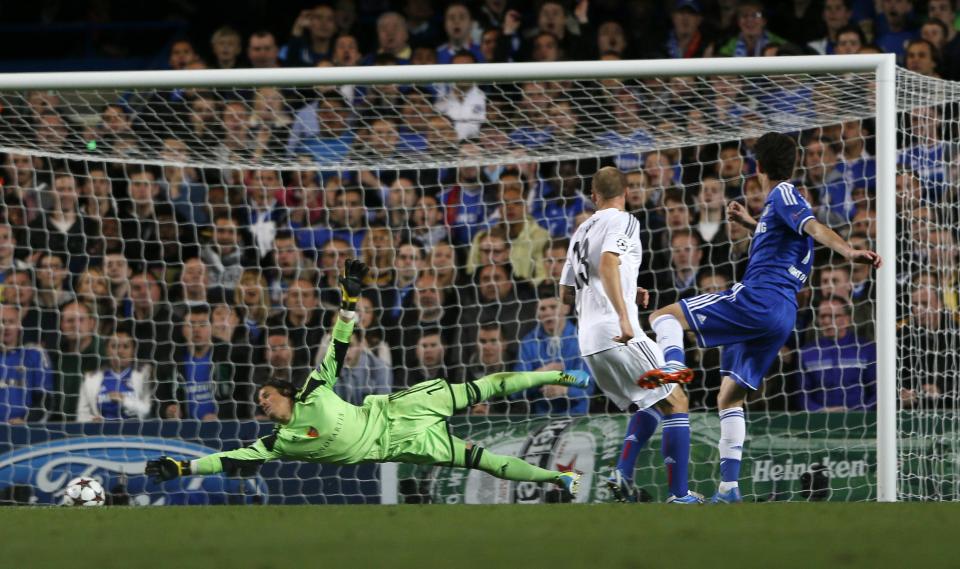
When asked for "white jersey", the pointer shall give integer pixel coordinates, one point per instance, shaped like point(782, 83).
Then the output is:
point(611, 230)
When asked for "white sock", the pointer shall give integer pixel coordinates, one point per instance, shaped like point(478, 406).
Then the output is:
point(733, 431)
point(669, 336)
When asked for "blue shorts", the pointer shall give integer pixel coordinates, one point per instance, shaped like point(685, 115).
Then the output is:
point(751, 325)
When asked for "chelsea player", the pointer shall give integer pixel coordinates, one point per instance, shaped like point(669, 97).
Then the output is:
point(753, 319)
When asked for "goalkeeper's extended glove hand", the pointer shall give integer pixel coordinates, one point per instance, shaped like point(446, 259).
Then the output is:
point(166, 468)
point(351, 283)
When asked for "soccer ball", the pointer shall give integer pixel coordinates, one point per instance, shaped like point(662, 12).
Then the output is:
point(84, 492)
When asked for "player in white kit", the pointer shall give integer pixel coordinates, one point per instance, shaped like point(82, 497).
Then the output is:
point(602, 266)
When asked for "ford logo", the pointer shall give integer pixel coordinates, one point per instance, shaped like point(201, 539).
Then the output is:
point(118, 462)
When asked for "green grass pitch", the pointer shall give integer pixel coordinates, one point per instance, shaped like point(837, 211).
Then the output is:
point(494, 537)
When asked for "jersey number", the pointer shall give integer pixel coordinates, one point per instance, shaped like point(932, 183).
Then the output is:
point(581, 253)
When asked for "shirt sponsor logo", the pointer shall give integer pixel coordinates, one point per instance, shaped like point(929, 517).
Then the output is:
point(796, 273)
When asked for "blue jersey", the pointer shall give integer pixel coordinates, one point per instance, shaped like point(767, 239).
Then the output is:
point(114, 381)
point(781, 254)
point(25, 375)
point(200, 385)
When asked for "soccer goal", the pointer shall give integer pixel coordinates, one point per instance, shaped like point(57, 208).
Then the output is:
point(135, 199)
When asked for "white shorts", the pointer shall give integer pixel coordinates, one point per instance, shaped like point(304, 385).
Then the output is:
point(617, 370)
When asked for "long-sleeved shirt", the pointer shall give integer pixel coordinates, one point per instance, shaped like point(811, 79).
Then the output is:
point(323, 427)
point(538, 349)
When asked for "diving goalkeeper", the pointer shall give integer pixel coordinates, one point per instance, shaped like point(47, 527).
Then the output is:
point(315, 425)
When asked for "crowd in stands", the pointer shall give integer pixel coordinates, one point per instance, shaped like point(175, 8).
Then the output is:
point(131, 291)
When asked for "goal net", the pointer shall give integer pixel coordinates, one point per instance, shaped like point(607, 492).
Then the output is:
point(165, 251)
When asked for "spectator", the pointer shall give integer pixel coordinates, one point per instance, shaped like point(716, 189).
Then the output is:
point(686, 38)
point(685, 260)
point(26, 182)
point(392, 39)
point(187, 193)
point(464, 103)
point(427, 226)
point(252, 305)
point(269, 123)
point(400, 199)
point(140, 225)
point(466, 209)
point(460, 29)
point(923, 57)
point(560, 200)
point(753, 35)
point(838, 369)
point(823, 176)
point(499, 298)
point(311, 39)
point(836, 15)
point(553, 346)
point(850, 40)
point(279, 361)
point(427, 361)
point(226, 44)
point(928, 378)
point(81, 350)
point(205, 378)
point(925, 152)
point(8, 249)
point(423, 25)
point(62, 230)
point(236, 141)
point(711, 224)
point(554, 258)
point(346, 51)
point(537, 127)
point(575, 35)
point(265, 214)
point(525, 236)
point(859, 167)
point(53, 291)
point(262, 50)
point(944, 12)
point(121, 389)
point(194, 282)
point(611, 38)
point(225, 258)
point(545, 48)
point(732, 169)
point(834, 280)
point(427, 307)
point(303, 318)
point(322, 130)
point(289, 263)
point(895, 27)
point(152, 329)
point(937, 33)
point(181, 54)
point(363, 373)
point(333, 255)
point(347, 221)
point(26, 378)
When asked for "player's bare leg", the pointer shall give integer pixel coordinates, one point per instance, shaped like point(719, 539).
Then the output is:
point(668, 323)
point(733, 431)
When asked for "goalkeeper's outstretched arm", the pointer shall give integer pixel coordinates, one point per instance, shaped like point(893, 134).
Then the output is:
point(239, 462)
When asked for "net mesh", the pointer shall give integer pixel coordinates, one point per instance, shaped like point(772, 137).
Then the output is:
point(128, 210)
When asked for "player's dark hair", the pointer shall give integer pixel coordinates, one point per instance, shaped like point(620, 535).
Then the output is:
point(776, 155)
point(283, 387)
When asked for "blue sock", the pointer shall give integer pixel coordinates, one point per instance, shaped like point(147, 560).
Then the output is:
point(639, 430)
point(673, 355)
point(676, 451)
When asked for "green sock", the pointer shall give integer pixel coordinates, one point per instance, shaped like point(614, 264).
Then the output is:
point(506, 467)
point(508, 382)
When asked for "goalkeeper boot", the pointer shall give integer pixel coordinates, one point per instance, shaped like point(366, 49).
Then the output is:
point(731, 496)
point(670, 372)
point(575, 378)
point(621, 488)
point(570, 481)
point(690, 498)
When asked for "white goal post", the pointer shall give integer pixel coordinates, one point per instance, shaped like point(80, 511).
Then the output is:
point(885, 114)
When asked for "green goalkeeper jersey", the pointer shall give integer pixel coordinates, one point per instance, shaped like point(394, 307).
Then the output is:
point(323, 427)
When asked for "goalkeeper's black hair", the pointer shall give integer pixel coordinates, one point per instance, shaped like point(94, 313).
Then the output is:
point(283, 387)
point(777, 155)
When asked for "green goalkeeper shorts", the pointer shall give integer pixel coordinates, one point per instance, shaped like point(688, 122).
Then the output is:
point(418, 429)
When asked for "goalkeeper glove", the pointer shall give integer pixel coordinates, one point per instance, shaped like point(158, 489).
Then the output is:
point(351, 283)
point(166, 468)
